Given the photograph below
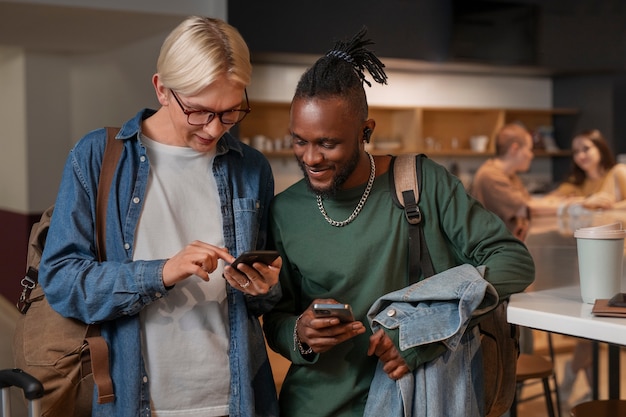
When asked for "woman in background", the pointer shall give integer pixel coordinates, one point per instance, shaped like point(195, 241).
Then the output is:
point(594, 182)
point(592, 161)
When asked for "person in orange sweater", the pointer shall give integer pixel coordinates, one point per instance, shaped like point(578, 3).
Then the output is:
point(497, 184)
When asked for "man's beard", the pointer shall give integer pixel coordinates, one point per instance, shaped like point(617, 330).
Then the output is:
point(338, 180)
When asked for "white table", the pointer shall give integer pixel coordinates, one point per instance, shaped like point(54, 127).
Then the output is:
point(561, 310)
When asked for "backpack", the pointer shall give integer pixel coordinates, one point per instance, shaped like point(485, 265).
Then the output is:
point(67, 356)
point(499, 339)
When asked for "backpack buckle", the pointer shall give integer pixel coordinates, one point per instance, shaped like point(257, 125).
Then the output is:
point(413, 214)
point(411, 209)
point(28, 283)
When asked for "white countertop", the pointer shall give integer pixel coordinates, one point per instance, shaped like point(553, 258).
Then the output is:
point(561, 310)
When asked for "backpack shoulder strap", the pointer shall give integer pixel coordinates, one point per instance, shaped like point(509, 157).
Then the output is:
point(39, 230)
point(406, 177)
point(407, 186)
point(112, 153)
point(98, 348)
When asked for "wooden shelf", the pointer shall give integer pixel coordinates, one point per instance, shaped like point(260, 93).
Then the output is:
point(279, 154)
point(440, 131)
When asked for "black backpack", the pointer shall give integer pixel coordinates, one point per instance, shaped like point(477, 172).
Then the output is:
point(499, 339)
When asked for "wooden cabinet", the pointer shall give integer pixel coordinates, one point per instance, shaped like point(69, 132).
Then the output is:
point(444, 131)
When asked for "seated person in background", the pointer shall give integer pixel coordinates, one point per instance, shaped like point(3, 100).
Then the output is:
point(591, 161)
point(496, 183)
point(595, 180)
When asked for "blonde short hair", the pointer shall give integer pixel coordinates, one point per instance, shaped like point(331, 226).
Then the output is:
point(199, 51)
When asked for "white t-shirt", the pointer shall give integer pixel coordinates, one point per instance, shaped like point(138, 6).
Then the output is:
point(185, 335)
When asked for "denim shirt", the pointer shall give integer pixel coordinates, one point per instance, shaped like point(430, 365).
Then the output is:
point(437, 309)
point(114, 292)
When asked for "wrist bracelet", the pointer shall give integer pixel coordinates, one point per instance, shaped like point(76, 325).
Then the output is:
point(296, 340)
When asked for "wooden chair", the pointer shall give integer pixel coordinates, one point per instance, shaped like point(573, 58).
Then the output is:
point(533, 367)
point(600, 408)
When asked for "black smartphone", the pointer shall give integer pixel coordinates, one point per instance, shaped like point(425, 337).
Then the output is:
point(264, 256)
point(618, 300)
point(342, 311)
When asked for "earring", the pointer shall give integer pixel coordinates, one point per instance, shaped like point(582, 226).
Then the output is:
point(367, 132)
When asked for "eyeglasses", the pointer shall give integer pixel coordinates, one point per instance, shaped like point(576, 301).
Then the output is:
point(204, 117)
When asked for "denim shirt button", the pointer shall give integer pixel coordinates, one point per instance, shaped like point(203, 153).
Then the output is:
point(142, 158)
point(391, 312)
point(158, 294)
point(126, 246)
point(145, 379)
point(136, 200)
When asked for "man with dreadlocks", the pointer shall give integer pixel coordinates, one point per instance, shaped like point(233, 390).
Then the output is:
point(342, 239)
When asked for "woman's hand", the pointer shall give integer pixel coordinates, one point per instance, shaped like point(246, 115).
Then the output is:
point(599, 200)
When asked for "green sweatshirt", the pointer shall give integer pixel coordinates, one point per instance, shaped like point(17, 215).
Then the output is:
point(360, 262)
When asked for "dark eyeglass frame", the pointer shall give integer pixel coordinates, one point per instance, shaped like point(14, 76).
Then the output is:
point(211, 114)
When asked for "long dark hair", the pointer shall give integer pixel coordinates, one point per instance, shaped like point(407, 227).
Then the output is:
point(607, 160)
point(341, 72)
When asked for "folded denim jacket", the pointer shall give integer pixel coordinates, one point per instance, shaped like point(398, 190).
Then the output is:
point(435, 310)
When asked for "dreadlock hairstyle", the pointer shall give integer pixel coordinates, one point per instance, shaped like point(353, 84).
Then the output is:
point(341, 72)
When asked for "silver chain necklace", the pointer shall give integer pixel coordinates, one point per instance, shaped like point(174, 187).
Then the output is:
point(359, 206)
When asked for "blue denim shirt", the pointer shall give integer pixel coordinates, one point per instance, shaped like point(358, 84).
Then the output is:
point(114, 292)
point(437, 309)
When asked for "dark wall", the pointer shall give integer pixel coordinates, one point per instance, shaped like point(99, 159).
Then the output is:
point(619, 111)
point(565, 36)
point(400, 28)
point(601, 99)
point(582, 43)
point(13, 248)
point(583, 35)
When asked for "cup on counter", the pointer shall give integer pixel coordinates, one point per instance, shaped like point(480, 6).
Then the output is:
point(600, 255)
point(259, 142)
point(479, 143)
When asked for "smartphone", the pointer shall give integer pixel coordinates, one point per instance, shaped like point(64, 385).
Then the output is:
point(264, 256)
point(342, 311)
point(618, 300)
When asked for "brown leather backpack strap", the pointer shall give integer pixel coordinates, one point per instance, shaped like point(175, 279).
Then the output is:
point(98, 348)
point(99, 352)
point(110, 160)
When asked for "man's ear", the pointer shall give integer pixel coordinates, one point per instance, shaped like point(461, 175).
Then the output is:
point(513, 149)
point(368, 129)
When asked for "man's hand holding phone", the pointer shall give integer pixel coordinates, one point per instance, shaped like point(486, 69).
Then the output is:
point(327, 323)
point(341, 311)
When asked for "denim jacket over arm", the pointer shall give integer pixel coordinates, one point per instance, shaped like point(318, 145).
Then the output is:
point(114, 292)
point(435, 310)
